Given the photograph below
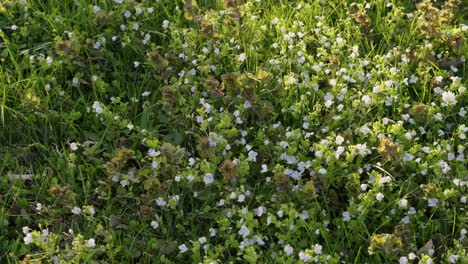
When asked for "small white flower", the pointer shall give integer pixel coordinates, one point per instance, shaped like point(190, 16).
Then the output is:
point(366, 100)
point(165, 24)
point(449, 98)
point(288, 249)
point(124, 183)
point(453, 258)
point(90, 243)
point(432, 202)
point(403, 260)
point(73, 146)
point(317, 249)
point(403, 203)
point(244, 231)
point(339, 140)
point(130, 126)
point(405, 220)
point(304, 256)
point(153, 153)
point(346, 216)
point(76, 210)
point(252, 156)
point(49, 60)
point(212, 232)
point(28, 239)
point(379, 197)
point(242, 57)
point(26, 230)
point(183, 248)
point(208, 179)
point(154, 224)
point(160, 202)
point(138, 11)
point(274, 21)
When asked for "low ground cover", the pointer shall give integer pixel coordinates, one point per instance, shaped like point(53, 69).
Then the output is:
point(233, 131)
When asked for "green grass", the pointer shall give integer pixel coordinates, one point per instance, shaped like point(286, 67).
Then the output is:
point(298, 109)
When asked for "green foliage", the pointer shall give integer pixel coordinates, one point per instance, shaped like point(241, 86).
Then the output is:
point(234, 131)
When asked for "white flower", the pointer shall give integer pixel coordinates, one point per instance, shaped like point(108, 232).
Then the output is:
point(244, 231)
point(138, 11)
point(453, 258)
point(153, 153)
point(202, 240)
point(405, 220)
point(124, 183)
point(264, 168)
point(449, 98)
point(432, 202)
point(403, 260)
point(183, 248)
point(339, 140)
point(366, 100)
point(379, 197)
point(242, 57)
point(160, 202)
point(73, 146)
point(96, 9)
point(304, 256)
point(26, 230)
point(90, 243)
point(76, 210)
point(154, 224)
point(403, 203)
point(49, 60)
point(274, 21)
point(190, 178)
point(362, 149)
point(208, 179)
point(130, 126)
point(28, 239)
point(317, 249)
point(252, 156)
point(346, 216)
point(288, 249)
point(463, 199)
point(212, 232)
point(165, 24)
point(118, 1)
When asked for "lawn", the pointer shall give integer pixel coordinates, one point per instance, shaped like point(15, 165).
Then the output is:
point(233, 131)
